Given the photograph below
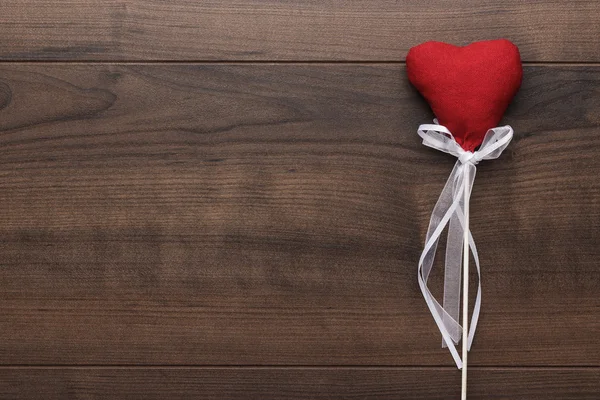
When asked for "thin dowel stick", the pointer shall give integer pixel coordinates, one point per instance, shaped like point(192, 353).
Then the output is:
point(465, 310)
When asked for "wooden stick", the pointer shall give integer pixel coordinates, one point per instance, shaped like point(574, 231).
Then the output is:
point(465, 311)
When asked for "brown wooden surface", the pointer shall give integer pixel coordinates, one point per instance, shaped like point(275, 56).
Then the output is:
point(297, 383)
point(273, 215)
point(347, 30)
point(251, 230)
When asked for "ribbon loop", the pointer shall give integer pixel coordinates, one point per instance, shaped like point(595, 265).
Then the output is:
point(448, 211)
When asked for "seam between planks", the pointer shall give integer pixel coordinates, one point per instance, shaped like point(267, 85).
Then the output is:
point(296, 367)
point(265, 62)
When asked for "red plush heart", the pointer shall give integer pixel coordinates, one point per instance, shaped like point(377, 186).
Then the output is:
point(468, 88)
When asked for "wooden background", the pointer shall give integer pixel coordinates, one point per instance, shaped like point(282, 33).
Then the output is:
point(228, 199)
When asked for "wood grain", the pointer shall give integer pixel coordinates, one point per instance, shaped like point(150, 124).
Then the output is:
point(297, 383)
point(274, 214)
point(333, 30)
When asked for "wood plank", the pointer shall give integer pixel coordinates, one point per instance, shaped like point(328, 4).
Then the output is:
point(284, 30)
point(297, 383)
point(274, 214)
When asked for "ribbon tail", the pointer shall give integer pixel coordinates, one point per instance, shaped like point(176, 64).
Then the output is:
point(477, 306)
point(452, 278)
point(443, 211)
point(473, 250)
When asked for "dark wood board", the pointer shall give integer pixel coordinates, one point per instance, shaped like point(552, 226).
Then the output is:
point(332, 30)
point(274, 215)
point(228, 200)
point(297, 383)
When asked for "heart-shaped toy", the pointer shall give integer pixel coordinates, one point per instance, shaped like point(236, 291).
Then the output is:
point(468, 88)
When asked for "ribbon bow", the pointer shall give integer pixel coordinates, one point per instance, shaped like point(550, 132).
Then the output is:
point(449, 210)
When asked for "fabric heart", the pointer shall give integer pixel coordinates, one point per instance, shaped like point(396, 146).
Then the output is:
point(468, 88)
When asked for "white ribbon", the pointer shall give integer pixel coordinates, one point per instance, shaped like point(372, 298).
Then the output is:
point(449, 211)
